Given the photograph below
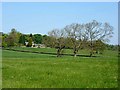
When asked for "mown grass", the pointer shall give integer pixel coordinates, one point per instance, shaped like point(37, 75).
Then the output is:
point(30, 70)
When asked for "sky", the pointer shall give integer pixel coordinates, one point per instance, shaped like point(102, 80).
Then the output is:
point(41, 17)
point(60, 0)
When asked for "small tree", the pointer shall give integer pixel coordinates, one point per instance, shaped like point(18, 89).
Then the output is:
point(13, 38)
point(37, 38)
point(30, 41)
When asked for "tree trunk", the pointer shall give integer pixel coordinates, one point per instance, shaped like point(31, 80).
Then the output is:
point(91, 53)
point(75, 54)
point(91, 46)
point(59, 52)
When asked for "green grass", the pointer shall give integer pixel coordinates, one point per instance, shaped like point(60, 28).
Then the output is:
point(51, 50)
point(0, 69)
point(30, 70)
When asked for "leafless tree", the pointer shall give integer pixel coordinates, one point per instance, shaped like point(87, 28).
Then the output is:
point(58, 40)
point(97, 31)
point(74, 33)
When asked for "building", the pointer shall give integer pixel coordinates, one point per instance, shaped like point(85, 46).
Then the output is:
point(36, 45)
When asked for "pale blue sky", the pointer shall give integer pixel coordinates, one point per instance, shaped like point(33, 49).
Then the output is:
point(42, 17)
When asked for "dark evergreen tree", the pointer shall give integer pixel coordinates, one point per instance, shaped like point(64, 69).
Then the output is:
point(22, 39)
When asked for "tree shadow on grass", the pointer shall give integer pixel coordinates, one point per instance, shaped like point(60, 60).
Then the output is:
point(51, 54)
point(87, 56)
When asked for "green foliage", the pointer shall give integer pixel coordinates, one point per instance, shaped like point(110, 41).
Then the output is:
point(68, 44)
point(31, 35)
point(22, 39)
point(27, 37)
point(112, 47)
point(13, 38)
point(0, 40)
point(4, 44)
point(48, 41)
point(29, 42)
point(10, 40)
point(99, 46)
point(38, 38)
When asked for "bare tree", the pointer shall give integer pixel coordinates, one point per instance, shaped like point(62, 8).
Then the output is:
point(58, 40)
point(74, 33)
point(96, 31)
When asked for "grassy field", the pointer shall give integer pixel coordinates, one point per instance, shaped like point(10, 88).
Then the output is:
point(51, 50)
point(30, 70)
point(0, 69)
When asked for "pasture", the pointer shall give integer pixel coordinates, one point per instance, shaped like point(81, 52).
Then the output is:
point(32, 70)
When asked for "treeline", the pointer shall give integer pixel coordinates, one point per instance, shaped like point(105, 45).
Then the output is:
point(15, 38)
point(91, 36)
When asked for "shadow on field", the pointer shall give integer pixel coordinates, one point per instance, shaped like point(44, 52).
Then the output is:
point(48, 53)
